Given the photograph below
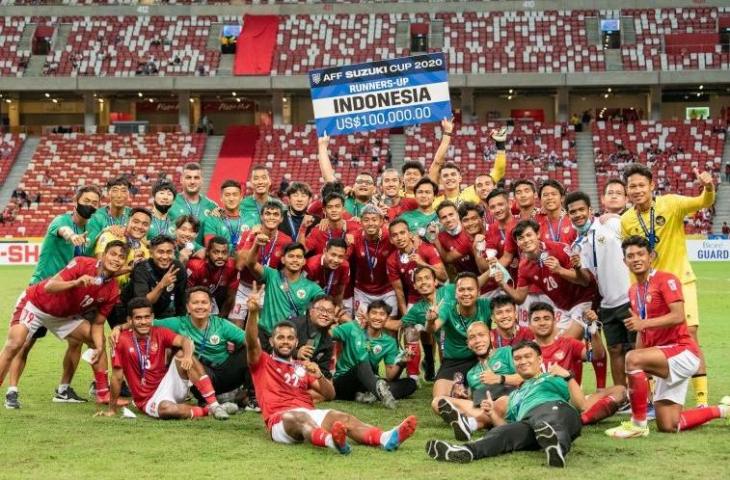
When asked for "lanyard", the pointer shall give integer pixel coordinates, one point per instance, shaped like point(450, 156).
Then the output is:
point(650, 233)
point(113, 221)
point(579, 240)
point(204, 342)
point(462, 321)
point(195, 213)
point(266, 257)
point(165, 226)
point(293, 228)
point(329, 233)
point(220, 278)
point(641, 299)
point(329, 281)
point(553, 236)
point(234, 234)
point(501, 235)
point(371, 260)
point(142, 361)
point(287, 290)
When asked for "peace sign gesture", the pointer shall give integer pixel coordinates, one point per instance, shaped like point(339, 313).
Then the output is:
point(433, 312)
point(254, 298)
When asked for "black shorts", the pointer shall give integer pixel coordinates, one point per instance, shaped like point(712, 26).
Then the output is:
point(496, 390)
point(449, 367)
point(613, 326)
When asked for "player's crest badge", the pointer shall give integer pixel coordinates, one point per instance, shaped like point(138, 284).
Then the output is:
point(559, 355)
point(496, 366)
point(601, 239)
point(648, 298)
point(377, 349)
point(154, 347)
point(170, 287)
point(661, 221)
point(566, 230)
point(214, 339)
point(300, 371)
point(316, 78)
point(301, 294)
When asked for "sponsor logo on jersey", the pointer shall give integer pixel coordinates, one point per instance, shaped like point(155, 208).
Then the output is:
point(559, 355)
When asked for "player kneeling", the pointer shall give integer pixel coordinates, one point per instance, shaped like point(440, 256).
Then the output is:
point(158, 390)
point(282, 388)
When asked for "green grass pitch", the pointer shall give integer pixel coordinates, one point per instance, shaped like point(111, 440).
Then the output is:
point(47, 440)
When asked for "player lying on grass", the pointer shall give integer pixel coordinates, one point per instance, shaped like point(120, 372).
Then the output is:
point(158, 390)
point(539, 415)
point(282, 387)
point(664, 349)
point(59, 304)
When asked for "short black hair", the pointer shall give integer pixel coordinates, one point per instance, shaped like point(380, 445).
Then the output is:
point(635, 241)
point(88, 189)
point(194, 222)
point(451, 165)
point(614, 181)
point(192, 166)
point(578, 196)
point(164, 184)
point(294, 246)
point(322, 297)
point(379, 304)
point(413, 165)
point(523, 181)
point(136, 210)
point(259, 168)
point(272, 205)
point(446, 204)
point(541, 307)
point(121, 181)
point(333, 196)
point(136, 303)
point(497, 192)
point(424, 267)
point(217, 240)
point(396, 222)
point(527, 344)
point(231, 183)
point(427, 180)
point(467, 207)
point(198, 288)
point(637, 169)
point(523, 225)
point(501, 301)
point(298, 187)
point(117, 243)
point(283, 324)
point(551, 182)
point(462, 275)
point(336, 242)
point(161, 239)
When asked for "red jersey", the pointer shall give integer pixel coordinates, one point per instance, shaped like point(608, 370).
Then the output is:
point(219, 281)
point(148, 352)
point(333, 282)
point(316, 210)
point(269, 255)
point(500, 239)
point(566, 352)
point(560, 230)
point(564, 294)
point(652, 299)
point(499, 341)
point(280, 385)
point(368, 262)
point(461, 244)
point(405, 205)
point(398, 270)
point(77, 300)
point(317, 239)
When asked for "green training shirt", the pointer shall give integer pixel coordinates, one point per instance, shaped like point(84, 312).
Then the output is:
point(500, 362)
point(533, 393)
point(283, 303)
point(210, 342)
point(55, 251)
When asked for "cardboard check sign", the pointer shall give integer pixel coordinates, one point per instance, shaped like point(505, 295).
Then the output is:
point(372, 96)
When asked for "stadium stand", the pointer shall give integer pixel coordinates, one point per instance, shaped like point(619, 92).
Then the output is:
point(10, 145)
point(62, 162)
point(13, 58)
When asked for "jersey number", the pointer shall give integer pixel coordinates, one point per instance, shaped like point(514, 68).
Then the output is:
point(550, 283)
point(291, 379)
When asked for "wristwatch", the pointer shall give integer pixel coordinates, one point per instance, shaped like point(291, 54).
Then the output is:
point(502, 379)
point(569, 377)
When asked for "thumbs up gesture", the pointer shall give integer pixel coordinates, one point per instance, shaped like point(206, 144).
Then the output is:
point(633, 323)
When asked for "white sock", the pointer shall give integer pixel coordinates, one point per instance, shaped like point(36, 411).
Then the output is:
point(62, 387)
point(472, 422)
point(724, 409)
point(13, 389)
point(638, 423)
point(330, 442)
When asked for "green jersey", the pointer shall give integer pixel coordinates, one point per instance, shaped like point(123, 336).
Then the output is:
point(416, 315)
point(285, 299)
point(354, 346)
point(454, 325)
point(200, 210)
point(382, 349)
point(55, 251)
point(251, 210)
point(533, 393)
point(418, 221)
point(229, 228)
point(100, 220)
point(354, 207)
point(161, 226)
point(500, 362)
point(210, 342)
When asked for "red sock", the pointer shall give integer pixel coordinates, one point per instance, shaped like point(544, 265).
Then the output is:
point(603, 408)
point(697, 416)
point(205, 387)
point(638, 394)
point(578, 374)
point(198, 412)
point(599, 366)
point(372, 436)
point(102, 384)
point(319, 437)
point(413, 367)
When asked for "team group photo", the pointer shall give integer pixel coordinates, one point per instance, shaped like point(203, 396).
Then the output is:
point(364, 239)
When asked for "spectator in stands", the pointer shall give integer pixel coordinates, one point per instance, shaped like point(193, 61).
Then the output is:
point(586, 119)
point(37, 199)
point(725, 229)
point(575, 121)
point(727, 172)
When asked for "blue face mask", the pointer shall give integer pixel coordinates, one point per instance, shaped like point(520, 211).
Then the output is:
point(582, 230)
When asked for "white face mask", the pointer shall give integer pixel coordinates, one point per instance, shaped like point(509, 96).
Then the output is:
point(454, 232)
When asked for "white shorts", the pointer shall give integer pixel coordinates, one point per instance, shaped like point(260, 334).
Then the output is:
point(681, 368)
point(523, 311)
point(362, 300)
point(173, 388)
point(565, 318)
point(33, 318)
point(492, 293)
point(240, 307)
point(279, 435)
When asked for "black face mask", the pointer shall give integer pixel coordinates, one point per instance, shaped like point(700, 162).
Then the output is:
point(85, 211)
point(162, 208)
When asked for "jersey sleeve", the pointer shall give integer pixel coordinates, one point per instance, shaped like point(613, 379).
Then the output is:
point(432, 256)
point(414, 316)
point(671, 289)
point(55, 225)
point(562, 253)
point(72, 271)
point(391, 267)
point(688, 205)
point(342, 332)
point(166, 337)
point(523, 280)
point(391, 353)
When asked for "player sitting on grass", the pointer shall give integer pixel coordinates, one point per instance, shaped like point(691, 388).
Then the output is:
point(282, 388)
point(158, 390)
point(664, 349)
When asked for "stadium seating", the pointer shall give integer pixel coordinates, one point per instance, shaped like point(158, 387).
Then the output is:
point(62, 162)
point(13, 57)
point(10, 145)
point(535, 151)
point(290, 152)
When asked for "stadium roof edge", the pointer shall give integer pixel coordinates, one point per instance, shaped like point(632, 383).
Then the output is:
point(346, 8)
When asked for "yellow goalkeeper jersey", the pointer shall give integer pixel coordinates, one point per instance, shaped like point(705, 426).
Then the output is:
point(669, 214)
